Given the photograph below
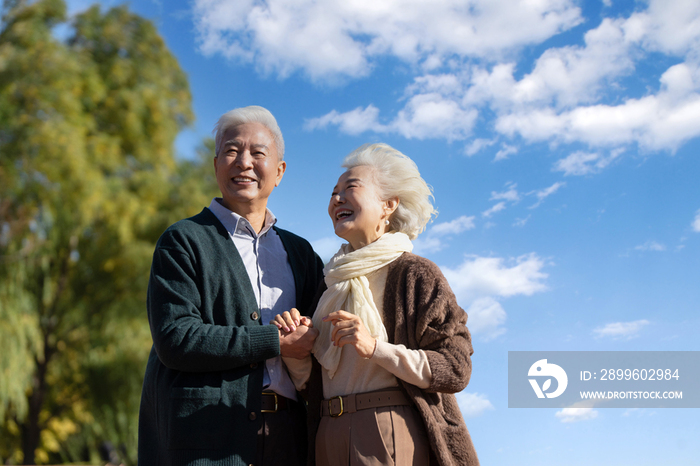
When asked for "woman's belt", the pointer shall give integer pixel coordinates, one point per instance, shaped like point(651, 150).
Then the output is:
point(339, 405)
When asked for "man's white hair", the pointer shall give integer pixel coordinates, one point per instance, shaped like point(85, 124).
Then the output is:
point(252, 114)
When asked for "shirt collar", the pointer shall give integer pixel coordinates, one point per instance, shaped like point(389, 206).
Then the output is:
point(235, 223)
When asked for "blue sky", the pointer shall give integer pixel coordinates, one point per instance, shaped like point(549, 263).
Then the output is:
point(561, 140)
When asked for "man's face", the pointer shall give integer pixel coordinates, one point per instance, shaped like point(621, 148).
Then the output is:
point(247, 167)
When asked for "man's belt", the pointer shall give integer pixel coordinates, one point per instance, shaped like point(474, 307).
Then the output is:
point(339, 405)
point(272, 402)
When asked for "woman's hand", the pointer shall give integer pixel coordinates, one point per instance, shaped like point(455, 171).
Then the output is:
point(297, 334)
point(349, 329)
point(290, 320)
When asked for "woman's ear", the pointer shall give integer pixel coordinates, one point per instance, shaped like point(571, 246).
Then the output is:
point(390, 205)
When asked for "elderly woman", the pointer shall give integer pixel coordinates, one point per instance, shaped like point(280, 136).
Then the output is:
point(393, 347)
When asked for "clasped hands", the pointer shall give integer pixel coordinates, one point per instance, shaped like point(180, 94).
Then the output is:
point(297, 333)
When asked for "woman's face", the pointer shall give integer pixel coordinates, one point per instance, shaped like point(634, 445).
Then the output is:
point(357, 211)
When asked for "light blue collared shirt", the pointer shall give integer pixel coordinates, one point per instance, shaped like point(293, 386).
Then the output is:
point(271, 277)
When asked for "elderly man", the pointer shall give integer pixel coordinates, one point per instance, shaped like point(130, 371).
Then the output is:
point(216, 391)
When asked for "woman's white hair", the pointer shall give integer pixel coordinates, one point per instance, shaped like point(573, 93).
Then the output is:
point(252, 114)
point(396, 175)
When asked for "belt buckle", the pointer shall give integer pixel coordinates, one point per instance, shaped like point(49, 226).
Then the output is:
point(276, 406)
point(330, 406)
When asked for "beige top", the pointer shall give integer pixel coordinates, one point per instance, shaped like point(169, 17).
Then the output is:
point(359, 375)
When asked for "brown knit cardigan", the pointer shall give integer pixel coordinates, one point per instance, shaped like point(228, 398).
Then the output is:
point(425, 316)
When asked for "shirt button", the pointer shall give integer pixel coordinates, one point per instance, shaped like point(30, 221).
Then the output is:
point(254, 316)
point(252, 416)
point(254, 365)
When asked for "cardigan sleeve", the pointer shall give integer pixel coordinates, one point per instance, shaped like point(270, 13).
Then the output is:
point(182, 338)
point(436, 323)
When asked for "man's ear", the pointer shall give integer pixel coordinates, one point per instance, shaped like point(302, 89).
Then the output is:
point(281, 168)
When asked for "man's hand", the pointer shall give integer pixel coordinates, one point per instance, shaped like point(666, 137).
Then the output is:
point(298, 343)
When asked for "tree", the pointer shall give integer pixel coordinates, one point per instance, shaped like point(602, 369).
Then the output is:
point(88, 181)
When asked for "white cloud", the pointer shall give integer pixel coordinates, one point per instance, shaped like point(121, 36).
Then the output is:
point(520, 222)
point(453, 227)
point(479, 277)
point(281, 36)
point(434, 116)
point(621, 330)
point(544, 104)
point(505, 152)
point(696, 222)
point(464, 66)
point(473, 404)
point(550, 190)
point(542, 194)
point(584, 163)
point(496, 208)
point(425, 244)
point(576, 414)
point(668, 27)
point(510, 195)
point(486, 318)
point(353, 122)
point(479, 281)
point(331, 38)
point(655, 122)
point(561, 77)
point(425, 116)
point(477, 144)
point(561, 99)
point(432, 241)
point(651, 246)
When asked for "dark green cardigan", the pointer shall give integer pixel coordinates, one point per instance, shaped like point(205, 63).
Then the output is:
point(201, 395)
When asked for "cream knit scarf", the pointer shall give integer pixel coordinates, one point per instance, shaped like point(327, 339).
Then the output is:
point(348, 289)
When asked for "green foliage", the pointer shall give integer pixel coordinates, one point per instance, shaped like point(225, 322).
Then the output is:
point(88, 182)
point(19, 333)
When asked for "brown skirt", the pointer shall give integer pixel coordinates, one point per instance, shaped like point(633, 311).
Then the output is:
point(394, 435)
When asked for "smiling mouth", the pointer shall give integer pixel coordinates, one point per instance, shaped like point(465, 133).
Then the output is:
point(242, 179)
point(341, 214)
